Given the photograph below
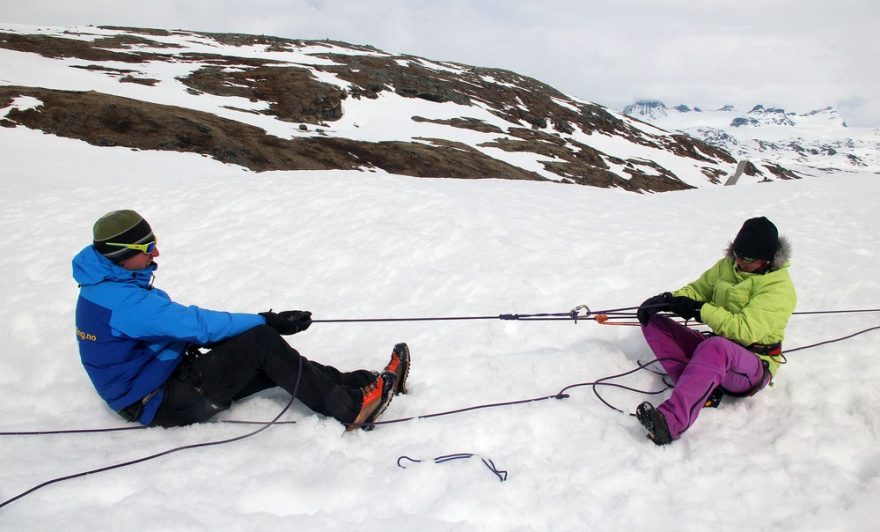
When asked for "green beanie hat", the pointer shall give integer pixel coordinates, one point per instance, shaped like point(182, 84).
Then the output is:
point(121, 227)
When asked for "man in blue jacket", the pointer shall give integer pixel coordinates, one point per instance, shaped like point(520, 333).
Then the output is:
point(165, 364)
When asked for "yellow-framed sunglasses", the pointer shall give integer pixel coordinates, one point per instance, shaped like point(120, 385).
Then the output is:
point(145, 248)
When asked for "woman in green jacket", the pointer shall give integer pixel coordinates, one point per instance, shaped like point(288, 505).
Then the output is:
point(746, 299)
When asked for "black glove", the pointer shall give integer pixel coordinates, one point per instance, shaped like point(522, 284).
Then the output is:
point(652, 306)
point(686, 307)
point(289, 321)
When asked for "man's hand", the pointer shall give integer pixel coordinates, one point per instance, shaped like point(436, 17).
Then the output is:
point(288, 321)
point(686, 307)
point(652, 306)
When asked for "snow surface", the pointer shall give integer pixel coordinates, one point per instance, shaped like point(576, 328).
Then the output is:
point(803, 455)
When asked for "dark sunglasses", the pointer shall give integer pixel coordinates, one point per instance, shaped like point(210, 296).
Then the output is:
point(746, 260)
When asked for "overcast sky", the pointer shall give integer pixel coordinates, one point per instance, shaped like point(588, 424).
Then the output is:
point(797, 54)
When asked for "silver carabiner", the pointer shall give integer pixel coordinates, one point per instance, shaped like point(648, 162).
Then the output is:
point(575, 314)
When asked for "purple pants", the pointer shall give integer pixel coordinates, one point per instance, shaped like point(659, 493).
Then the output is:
point(697, 365)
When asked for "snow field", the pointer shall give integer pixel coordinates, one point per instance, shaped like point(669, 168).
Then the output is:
point(800, 456)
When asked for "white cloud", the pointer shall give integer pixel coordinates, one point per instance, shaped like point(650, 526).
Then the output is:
point(800, 54)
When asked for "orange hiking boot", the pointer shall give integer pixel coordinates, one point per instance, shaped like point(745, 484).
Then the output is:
point(377, 397)
point(399, 365)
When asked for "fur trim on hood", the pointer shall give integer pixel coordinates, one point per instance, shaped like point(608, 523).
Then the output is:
point(783, 254)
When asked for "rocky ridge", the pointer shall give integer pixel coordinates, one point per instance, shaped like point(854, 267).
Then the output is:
point(268, 103)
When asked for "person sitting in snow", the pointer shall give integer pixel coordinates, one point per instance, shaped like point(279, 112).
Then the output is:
point(746, 299)
point(165, 364)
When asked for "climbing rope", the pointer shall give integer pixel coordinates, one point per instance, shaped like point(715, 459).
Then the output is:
point(581, 312)
point(500, 473)
point(575, 314)
point(264, 426)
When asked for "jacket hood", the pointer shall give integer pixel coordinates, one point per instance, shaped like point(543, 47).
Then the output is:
point(90, 268)
point(783, 254)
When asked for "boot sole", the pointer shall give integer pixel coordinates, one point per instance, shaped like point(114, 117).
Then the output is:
point(400, 385)
point(646, 417)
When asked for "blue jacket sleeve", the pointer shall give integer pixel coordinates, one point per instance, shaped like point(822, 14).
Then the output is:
point(151, 315)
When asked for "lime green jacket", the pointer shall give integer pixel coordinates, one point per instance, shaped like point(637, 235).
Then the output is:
point(748, 308)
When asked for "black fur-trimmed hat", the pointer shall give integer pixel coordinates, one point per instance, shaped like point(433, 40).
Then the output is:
point(121, 227)
point(758, 239)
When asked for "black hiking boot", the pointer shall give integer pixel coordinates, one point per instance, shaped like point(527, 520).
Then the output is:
point(714, 399)
point(654, 423)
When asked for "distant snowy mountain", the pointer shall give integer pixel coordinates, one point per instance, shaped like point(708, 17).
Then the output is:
point(810, 143)
point(648, 110)
point(266, 103)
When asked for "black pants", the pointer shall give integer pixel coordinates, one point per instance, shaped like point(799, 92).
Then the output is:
point(258, 359)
